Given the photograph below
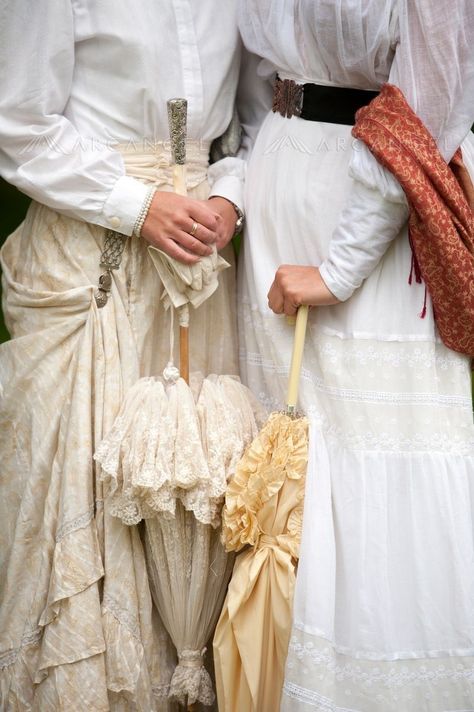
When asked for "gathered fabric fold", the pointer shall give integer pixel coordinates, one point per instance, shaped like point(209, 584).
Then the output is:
point(191, 681)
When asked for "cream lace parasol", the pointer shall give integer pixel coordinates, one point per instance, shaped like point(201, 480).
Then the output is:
point(167, 461)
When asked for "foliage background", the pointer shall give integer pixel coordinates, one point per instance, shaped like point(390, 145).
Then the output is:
point(13, 206)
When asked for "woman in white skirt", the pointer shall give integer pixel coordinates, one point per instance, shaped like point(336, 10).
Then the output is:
point(384, 603)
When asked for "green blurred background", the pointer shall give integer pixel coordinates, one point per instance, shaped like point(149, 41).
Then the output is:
point(13, 206)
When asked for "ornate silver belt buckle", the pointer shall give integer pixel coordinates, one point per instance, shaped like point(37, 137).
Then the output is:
point(287, 98)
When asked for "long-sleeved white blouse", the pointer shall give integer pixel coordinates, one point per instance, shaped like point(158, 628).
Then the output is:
point(425, 47)
point(79, 76)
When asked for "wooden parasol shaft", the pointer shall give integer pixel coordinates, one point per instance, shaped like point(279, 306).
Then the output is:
point(179, 183)
point(184, 353)
point(297, 358)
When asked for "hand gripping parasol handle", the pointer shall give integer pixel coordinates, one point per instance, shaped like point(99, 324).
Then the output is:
point(177, 121)
point(296, 359)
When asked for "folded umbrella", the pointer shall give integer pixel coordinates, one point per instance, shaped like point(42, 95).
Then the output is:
point(263, 515)
point(183, 284)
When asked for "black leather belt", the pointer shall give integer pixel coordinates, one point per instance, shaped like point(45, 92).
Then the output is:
point(314, 102)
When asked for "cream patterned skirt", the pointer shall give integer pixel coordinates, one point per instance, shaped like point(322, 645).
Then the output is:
point(77, 628)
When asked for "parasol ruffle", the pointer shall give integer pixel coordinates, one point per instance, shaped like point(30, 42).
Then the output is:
point(173, 442)
point(280, 451)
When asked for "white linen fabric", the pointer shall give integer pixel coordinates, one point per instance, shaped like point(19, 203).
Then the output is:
point(93, 74)
point(383, 613)
point(425, 48)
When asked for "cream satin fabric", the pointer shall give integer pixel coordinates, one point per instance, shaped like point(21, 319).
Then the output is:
point(264, 507)
point(77, 628)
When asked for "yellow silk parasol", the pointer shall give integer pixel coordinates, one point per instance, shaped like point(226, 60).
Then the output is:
point(263, 512)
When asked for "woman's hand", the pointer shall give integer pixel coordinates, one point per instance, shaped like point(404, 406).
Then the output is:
point(226, 227)
point(170, 221)
point(294, 286)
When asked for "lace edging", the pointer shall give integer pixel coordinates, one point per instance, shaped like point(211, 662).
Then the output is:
point(363, 395)
point(161, 690)
point(74, 524)
point(310, 697)
point(123, 617)
point(389, 678)
point(9, 657)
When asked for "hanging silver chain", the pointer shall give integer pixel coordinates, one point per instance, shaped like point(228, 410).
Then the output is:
point(110, 259)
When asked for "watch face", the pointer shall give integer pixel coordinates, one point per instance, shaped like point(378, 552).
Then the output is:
point(240, 219)
point(239, 223)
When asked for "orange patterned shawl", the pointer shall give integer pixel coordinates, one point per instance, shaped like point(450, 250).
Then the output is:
point(441, 201)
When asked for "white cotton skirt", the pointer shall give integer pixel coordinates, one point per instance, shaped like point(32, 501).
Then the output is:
point(384, 603)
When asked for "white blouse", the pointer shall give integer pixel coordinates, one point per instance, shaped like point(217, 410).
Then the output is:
point(78, 76)
point(425, 47)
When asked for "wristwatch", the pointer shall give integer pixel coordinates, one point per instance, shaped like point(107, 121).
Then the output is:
point(239, 223)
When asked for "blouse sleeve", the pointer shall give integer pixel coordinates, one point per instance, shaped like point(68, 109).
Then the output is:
point(41, 152)
point(434, 67)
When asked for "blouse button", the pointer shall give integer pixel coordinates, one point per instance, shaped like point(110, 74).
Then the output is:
point(115, 222)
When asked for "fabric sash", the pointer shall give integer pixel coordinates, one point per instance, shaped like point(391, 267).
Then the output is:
point(441, 221)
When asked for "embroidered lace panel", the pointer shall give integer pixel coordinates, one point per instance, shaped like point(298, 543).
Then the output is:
point(320, 678)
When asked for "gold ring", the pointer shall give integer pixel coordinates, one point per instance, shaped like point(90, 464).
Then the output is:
point(194, 229)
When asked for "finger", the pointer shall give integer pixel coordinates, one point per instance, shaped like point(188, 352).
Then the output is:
point(174, 250)
point(201, 233)
point(221, 242)
point(192, 244)
point(202, 215)
point(290, 308)
point(275, 299)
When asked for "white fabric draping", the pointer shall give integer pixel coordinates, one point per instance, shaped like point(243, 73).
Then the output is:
point(383, 615)
point(423, 47)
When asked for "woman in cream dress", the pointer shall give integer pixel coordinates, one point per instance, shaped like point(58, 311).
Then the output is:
point(384, 603)
point(84, 132)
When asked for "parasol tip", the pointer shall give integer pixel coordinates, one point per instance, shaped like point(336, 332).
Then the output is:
point(177, 120)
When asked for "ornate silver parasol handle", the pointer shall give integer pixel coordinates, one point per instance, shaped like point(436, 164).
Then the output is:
point(177, 121)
